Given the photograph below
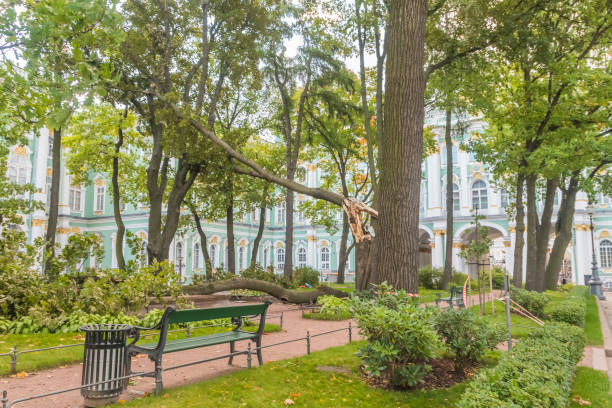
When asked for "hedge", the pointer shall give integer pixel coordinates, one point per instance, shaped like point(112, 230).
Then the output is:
point(537, 373)
point(572, 309)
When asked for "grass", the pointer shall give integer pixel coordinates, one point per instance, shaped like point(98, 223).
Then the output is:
point(299, 379)
point(519, 325)
point(592, 324)
point(590, 385)
point(40, 360)
point(344, 315)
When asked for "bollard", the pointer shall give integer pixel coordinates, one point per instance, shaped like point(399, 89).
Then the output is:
point(188, 330)
point(249, 355)
point(308, 342)
point(507, 289)
point(14, 359)
point(350, 332)
point(281, 321)
point(4, 399)
point(338, 313)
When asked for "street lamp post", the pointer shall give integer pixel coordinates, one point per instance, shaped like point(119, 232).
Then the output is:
point(595, 282)
point(180, 267)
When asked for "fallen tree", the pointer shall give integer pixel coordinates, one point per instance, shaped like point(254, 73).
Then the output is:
point(272, 289)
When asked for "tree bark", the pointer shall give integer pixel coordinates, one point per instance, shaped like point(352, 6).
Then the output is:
point(116, 201)
point(260, 231)
point(272, 289)
point(343, 249)
point(543, 233)
point(519, 240)
point(56, 158)
point(401, 153)
point(563, 227)
point(448, 260)
point(531, 280)
point(289, 200)
point(203, 240)
point(231, 249)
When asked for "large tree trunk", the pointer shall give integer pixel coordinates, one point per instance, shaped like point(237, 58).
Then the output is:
point(270, 288)
point(343, 256)
point(565, 218)
point(260, 231)
point(531, 280)
point(231, 248)
point(519, 240)
point(401, 152)
point(116, 202)
point(289, 199)
point(203, 240)
point(543, 233)
point(56, 157)
point(448, 260)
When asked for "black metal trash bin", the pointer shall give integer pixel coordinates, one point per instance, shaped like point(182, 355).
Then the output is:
point(104, 359)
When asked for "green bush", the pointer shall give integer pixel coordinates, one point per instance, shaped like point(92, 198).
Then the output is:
point(497, 277)
point(305, 275)
point(430, 278)
point(467, 335)
point(333, 308)
point(400, 336)
point(533, 301)
point(268, 275)
point(572, 309)
point(537, 373)
point(458, 278)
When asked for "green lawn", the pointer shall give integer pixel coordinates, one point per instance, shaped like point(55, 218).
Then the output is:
point(519, 325)
point(592, 324)
point(53, 358)
point(299, 379)
point(592, 386)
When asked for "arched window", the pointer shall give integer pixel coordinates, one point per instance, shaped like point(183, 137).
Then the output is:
point(605, 253)
point(18, 169)
point(325, 258)
point(213, 255)
point(196, 255)
point(241, 258)
point(504, 197)
point(281, 213)
point(266, 256)
point(280, 258)
point(479, 195)
point(301, 257)
point(456, 202)
point(178, 253)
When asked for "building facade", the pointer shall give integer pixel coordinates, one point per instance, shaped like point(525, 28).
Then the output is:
point(88, 208)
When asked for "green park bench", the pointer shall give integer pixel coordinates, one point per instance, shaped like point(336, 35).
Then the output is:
point(455, 298)
point(155, 351)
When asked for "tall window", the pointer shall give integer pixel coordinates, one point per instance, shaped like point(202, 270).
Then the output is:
point(281, 213)
point(504, 198)
point(454, 153)
point(479, 195)
point(50, 152)
point(241, 258)
point(280, 258)
point(266, 256)
point(74, 198)
point(301, 257)
point(100, 196)
point(48, 190)
point(300, 214)
point(605, 253)
point(178, 252)
point(325, 258)
point(213, 255)
point(196, 255)
point(18, 169)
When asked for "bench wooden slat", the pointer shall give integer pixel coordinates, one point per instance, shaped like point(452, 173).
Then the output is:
point(196, 315)
point(189, 343)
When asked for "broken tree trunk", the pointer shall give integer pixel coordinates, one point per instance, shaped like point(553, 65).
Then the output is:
point(272, 289)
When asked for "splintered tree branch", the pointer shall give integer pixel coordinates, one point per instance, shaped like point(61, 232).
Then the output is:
point(352, 206)
point(270, 288)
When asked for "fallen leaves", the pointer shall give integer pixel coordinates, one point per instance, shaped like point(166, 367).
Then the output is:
point(578, 400)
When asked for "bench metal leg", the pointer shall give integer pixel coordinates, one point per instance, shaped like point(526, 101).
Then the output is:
point(259, 356)
point(232, 349)
point(159, 386)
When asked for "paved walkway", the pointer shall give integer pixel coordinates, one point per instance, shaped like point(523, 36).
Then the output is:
point(602, 357)
point(293, 327)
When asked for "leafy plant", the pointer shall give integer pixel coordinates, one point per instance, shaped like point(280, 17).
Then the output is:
point(468, 336)
point(572, 309)
point(333, 308)
point(430, 278)
point(305, 275)
point(533, 301)
point(401, 337)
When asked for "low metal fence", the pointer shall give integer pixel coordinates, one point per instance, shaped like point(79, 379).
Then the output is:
point(15, 352)
point(249, 353)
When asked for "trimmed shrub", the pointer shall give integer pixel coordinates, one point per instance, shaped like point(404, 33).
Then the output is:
point(305, 275)
point(332, 308)
point(430, 278)
point(467, 335)
point(572, 309)
point(530, 300)
point(537, 373)
point(400, 336)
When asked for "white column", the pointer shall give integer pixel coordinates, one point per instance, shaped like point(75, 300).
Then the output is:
point(433, 206)
point(583, 247)
point(581, 200)
point(437, 250)
point(509, 244)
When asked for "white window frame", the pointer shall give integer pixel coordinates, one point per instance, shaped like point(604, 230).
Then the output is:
point(325, 256)
point(214, 254)
point(196, 255)
point(280, 258)
point(281, 213)
point(480, 194)
point(75, 196)
point(605, 253)
point(302, 257)
point(18, 169)
point(241, 258)
point(99, 197)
